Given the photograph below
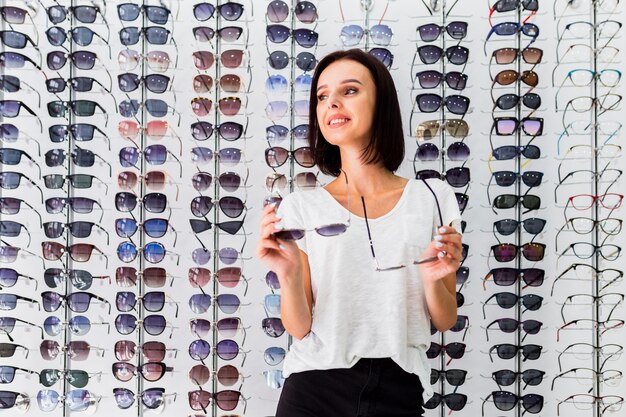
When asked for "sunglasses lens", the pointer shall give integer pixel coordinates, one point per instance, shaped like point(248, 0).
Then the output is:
point(351, 35)
point(200, 303)
point(429, 103)
point(532, 55)
point(199, 349)
point(383, 55)
point(227, 349)
point(306, 38)
point(274, 355)
point(306, 61)
point(429, 32)
point(427, 152)
point(278, 60)
point(504, 252)
point(273, 326)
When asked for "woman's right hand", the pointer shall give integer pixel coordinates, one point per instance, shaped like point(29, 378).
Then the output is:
point(280, 256)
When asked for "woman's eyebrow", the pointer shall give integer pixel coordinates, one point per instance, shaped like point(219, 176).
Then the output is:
point(349, 80)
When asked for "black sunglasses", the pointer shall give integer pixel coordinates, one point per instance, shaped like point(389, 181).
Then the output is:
point(532, 277)
point(433, 79)
point(508, 351)
point(457, 177)
point(532, 225)
point(128, 12)
point(508, 300)
point(505, 401)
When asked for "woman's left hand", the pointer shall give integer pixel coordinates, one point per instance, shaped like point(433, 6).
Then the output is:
point(447, 249)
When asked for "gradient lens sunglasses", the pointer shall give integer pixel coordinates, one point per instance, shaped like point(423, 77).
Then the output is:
point(505, 401)
point(274, 355)
point(159, 61)
point(80, 229)
point(431, 31)
point(430, 129)
point(227, 303)
point(278, 60)
point(226, 400)
point(154, 228)
point(532, 225)
point(227, 327)
point(509, 101)
point(509, 300)
point(155, 83)
point(506, 377)
point(454, 401)
point(81, 35)
point(230, 83)
point(229, 106)
point(154, 129)
point(276, 182)
point(306, 38)
point(151, 398)
point(225, 349)
point(16, 40)
point(226, 34)
point(277, 109)
point(508, 77)
point(81, 205)
point(155, 35)
point(153, 324)
point(430, 103)
point(232, 58)
point(153, 154)
point(77, 350)
point(433, 79)
point(228, 277)
point(154, 180)
point(503, 56)
point(153, 301)
point(228, 130)
point(532, 277)
point(153, 277)
point(278, 11)
point(80, 279)
point(78, 325)
point(128, 12)
point(75, 400)
point(153, 252)
point(78, 302)
point(506, 252)
point(15, 60)
point(9, 254)
point(15, 15)
point(84, 14)
point(512, 28)
point(280, 133)
point(277, 83)
point(503, 6)
point(9, 276)
point(277, 156)
point(7, 324)
point(230, 206)
point(9, 301)
point(226, 375)
point(150, 371)
point(230, 11)
point(226, 156)
point(84, 60)
point(352, 35)
point(229, 181)
point(508, 351)
point(75, 377)
point(430, 54)
point(153, 351)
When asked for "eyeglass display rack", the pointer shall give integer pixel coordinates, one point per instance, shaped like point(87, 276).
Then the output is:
point(441, 15)
point(597, 398)
point(518, 362)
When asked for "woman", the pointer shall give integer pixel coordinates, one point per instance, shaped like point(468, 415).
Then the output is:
point(357, 293)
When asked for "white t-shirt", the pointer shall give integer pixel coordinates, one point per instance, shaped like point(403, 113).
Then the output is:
point(359, 312)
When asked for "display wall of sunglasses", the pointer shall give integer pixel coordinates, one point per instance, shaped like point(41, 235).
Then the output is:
point(153, 154)
point(596, 325)
point(352, 35)
point(77, 350)
point(78, 302)
point(430, 54)
point(507, 300)
point(81, 157)
point(153, 324)
point(151, 398)
point(77, 325)
point(606, 300)
point(505, 401)
point(153, 277)
point(513, 28)
point(83, 205)
point(153, 252)
point(75, 377)
point(153, 301)
point(278, 60)
point(503, 6)
point(226, 349)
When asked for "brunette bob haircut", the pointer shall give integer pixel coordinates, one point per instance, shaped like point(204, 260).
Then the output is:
point(387, 142)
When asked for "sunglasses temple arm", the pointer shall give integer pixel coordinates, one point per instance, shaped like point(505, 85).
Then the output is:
point(106, 138)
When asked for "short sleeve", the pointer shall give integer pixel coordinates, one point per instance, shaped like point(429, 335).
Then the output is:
point(291, 210)
point(448, 205)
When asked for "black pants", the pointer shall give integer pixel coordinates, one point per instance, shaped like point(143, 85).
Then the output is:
point(371, 388)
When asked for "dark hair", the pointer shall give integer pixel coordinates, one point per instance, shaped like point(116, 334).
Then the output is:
point(387, 141)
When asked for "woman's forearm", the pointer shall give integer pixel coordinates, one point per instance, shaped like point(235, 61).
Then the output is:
point(295, 311)
point(441, 303)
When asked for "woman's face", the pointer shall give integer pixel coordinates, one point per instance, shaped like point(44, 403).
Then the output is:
point(346, 98)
